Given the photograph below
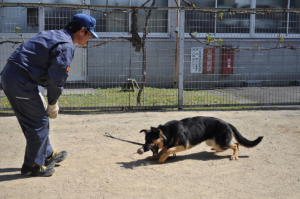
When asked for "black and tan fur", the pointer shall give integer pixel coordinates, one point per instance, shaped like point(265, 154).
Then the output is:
point(176, 136)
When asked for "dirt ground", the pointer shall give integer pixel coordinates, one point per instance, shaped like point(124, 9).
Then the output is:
point(100, 167)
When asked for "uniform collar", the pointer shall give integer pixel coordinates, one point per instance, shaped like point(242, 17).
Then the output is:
point(69, 33)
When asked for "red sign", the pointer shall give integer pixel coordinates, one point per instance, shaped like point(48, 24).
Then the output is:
point(209, 60)
point(227, 61)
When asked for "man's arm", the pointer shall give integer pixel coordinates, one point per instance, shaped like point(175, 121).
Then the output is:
point(61, 58)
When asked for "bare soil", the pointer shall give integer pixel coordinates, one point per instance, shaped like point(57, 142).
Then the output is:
point(101, 167)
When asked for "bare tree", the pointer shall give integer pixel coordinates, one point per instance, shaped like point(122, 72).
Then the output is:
point(144, 65)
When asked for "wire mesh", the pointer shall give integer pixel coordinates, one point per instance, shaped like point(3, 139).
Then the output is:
point(229, 58)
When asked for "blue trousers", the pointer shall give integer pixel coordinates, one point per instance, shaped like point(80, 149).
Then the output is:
point(23, 95)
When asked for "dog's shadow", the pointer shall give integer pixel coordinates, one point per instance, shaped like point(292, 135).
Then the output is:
point(203, 156)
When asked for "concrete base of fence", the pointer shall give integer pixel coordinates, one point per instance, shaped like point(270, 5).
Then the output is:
point(78, 91)
point(66, 92)
point(252, 83)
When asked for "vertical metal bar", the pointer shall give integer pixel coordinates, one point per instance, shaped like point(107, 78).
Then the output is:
point(176, 48)
point(85, 50)
point(215, 29)
point(252, 19)
point(288, 18)
point(181, 58)
point(129, 24)
point(41, 28)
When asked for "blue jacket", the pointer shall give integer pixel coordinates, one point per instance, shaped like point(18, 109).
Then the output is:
point(47, 58)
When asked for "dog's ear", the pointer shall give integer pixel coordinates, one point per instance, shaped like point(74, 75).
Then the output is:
point(159, 132)
point(144, 130)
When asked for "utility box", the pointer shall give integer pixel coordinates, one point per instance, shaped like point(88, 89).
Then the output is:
point(227, 61)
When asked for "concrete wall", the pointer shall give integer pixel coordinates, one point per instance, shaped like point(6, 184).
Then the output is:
point(111, 65)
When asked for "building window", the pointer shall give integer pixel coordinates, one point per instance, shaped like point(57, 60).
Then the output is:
point(117, 21)
point(32, 17)
point(58, 18)
point(240, 23)
point(272, 23)
point(159, 18)
point(294, 19)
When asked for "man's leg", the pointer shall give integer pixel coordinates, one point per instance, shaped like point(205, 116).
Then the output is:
point(30, 112)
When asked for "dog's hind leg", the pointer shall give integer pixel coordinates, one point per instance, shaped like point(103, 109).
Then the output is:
point(170, 151)
point(235, 148)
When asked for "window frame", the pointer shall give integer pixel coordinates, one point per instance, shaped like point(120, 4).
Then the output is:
point(127, 34)
point(252, 34)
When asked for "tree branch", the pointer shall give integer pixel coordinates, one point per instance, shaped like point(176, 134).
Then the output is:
point(189, 3)
point(242, 48)
point(105, 42)
point(144, 68)
point(9, 41)
point(135, 38)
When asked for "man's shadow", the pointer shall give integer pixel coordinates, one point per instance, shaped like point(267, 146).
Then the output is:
point(202, 156)
point(5, 174)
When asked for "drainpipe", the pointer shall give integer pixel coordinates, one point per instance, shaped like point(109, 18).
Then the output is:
point(41, 28)
point(181, 59)
point(176, 47)
point(252, 19)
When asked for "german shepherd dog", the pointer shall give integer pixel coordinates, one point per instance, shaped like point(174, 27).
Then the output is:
point(176, 136)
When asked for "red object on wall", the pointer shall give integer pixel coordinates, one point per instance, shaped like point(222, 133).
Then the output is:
point(209, 60)
point(227, 61)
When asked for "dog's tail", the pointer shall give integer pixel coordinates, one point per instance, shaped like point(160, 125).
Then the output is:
point(242, 140)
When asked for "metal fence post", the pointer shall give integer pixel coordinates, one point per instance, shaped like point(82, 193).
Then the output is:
point(41, 28)
point(181, 58)
point(85, 50)
point(252, 19)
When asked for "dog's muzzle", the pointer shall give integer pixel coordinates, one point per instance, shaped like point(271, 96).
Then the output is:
point(148, 147)
point(145, 148)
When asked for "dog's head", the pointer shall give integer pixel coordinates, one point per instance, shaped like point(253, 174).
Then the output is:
point(154, 140)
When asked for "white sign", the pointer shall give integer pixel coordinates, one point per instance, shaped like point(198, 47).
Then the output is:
point(196, 60)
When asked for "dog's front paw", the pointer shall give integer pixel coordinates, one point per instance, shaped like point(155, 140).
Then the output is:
point(234, 157)
point(161, 161)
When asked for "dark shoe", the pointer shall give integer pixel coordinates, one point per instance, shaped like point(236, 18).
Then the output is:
point(56, 158)
point(35, 170)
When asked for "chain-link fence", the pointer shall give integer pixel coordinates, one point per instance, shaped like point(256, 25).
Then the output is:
point(166, 56)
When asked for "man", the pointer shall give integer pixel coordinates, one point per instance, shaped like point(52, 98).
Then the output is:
point(42, 60)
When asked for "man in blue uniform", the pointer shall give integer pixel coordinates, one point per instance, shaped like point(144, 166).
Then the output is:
point(42, 60)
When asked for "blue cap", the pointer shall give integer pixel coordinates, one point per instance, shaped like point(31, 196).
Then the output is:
point(86, 21)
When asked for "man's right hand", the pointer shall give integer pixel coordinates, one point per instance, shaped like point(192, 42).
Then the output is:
point(52, 110)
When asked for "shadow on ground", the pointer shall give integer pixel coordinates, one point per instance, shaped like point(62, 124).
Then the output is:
point(202, 156)
point(9, 174)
